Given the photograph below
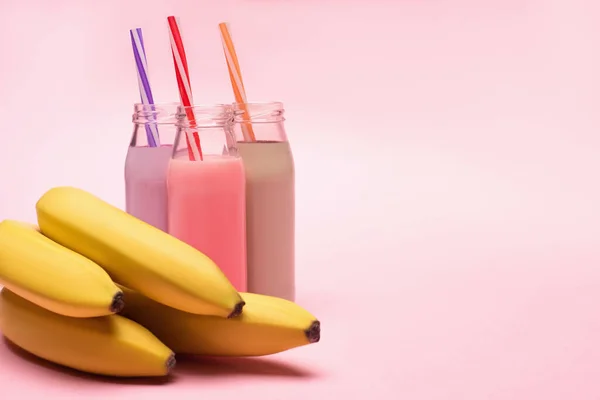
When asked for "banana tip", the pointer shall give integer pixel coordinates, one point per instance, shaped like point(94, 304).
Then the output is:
point(237, 310)
point(118, 303)
point(171, 362)
point(313, 333)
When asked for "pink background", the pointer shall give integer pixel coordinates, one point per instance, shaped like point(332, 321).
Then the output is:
point(447, 158)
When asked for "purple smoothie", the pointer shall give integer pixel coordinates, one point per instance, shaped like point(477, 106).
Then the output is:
point(146, 184)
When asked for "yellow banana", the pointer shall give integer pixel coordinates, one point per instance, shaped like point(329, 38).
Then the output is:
point(53, 276)
point(136, 254)
point(268, 325)
point(111, 345)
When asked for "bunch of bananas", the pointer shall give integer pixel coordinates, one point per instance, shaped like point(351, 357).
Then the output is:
point(98, 290)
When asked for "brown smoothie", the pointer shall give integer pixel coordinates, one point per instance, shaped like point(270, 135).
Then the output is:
point(270, 217)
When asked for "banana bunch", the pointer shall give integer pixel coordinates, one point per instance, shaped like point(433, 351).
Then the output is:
point(98, 290)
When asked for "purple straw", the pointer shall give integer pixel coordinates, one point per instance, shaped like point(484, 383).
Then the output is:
point(139, 53)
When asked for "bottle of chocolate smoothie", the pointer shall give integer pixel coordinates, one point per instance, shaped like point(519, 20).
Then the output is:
point(270, 198)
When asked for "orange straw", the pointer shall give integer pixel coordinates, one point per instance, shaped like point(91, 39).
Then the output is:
point(235, 75)
point(185, 91)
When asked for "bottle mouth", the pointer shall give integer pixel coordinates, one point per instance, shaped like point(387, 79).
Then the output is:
point(204, 116)
point(258, 112)
point(158, 113)
point(255, 104)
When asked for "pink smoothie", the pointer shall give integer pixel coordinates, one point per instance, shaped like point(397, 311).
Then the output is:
point(146, 184)
point(207, 210)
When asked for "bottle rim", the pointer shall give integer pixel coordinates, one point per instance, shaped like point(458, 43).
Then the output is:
point(258, 112)
point(204, 115)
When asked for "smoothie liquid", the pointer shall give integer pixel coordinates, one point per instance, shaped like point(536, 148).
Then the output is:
point(146, 184)
point(270, 217)
point(207, 211)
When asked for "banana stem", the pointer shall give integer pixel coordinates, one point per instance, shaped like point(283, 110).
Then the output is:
point(313, 333)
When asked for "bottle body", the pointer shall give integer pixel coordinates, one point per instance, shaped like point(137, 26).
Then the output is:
point(146, 165)
point(206, 207)
point(270, 199)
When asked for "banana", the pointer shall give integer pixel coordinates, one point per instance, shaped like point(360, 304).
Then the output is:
point(137, 254)
point(111, 345)
point(53, 276)
point(268, 325)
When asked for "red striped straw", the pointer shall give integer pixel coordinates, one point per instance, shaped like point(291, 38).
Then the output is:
point(185, 90)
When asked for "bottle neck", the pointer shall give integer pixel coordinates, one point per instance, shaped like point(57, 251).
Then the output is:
point(204, 130)
point(157, 114)
point(154, 125)
point(204, 116)
point(259, 122)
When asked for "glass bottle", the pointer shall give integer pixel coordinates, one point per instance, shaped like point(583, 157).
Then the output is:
point(270, 197)
point(206, 188)
point(147, 161)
